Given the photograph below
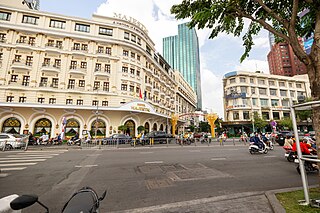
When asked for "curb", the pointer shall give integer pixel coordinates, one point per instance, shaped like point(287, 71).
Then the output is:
point(275, 203)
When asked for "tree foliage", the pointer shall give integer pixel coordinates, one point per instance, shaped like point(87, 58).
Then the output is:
point(288, 20)
point(286, 122)
point(260, 123)
point(140, 129)
point(122, 128)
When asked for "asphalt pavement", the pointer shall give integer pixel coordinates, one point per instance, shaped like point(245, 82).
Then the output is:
point(264, 201)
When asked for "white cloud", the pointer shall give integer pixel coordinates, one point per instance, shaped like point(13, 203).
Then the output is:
point(253, 65)
point(212, 92)
point(153, 14)
point(217, 56)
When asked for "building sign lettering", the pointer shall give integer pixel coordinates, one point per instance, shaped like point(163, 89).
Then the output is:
point(131, 20)
point(140, 107)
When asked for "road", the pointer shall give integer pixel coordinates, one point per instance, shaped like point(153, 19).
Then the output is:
point(143, 177)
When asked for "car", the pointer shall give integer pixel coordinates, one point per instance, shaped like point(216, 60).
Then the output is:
point(117, 139)
point(281, 136)
point(158, 137)
point(12, 141)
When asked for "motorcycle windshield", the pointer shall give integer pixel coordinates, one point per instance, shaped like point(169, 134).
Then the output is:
point(81, 202)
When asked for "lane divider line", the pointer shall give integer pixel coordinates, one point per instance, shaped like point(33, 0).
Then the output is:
point(153, 162)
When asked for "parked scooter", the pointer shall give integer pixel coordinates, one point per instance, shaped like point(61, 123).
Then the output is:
point(84, 200)
point(253, 148)
point(74, 142)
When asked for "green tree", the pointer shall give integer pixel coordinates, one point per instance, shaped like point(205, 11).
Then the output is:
point(286, 122)
point(278, 17)
point(204, 127)
point(140, 129)
point(122, 128)
point(260, 123)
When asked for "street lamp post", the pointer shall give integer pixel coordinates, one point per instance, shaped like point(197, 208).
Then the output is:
point(252, 114)
point(96, 124)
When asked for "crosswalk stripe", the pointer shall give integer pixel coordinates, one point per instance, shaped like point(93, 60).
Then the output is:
point(58, 151)
point(17, 158)
point(25, 154)
point(28, 156)
point(17, 164)
point(21, 160)
point(13, 168)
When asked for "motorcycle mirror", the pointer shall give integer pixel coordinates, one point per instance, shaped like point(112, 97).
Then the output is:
point(103, 195)
point(23, 201)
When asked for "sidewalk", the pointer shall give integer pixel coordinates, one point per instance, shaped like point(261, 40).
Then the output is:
point(248, 202)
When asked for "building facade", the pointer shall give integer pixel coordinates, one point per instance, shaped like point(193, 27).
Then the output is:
point(283, 61)
point(182, 53)
point(83, 74)
point(268, 95)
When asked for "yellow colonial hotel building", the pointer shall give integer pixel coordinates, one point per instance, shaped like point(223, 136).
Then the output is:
point(102, 73)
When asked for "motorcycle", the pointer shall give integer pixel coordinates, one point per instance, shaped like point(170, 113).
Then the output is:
point(289, 154)
point(270, 144)
point(308, 166)
point(74, 142)
point(84, 200)
point(253, 148)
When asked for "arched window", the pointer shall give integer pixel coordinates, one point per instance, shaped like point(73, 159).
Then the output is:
point(161, 127)
point(42, 126)
point(131, 127)
point(146, 127)
point(100, 126)
point(11, 125)
point(72, 127)
point(154, 127)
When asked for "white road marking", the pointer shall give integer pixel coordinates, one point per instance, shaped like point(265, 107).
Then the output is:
point(218, 158)
point(21, 160)
point(17, 164)
point(79, 166)
point(151, 162)
point(18, 158)
point(35, 154)
point(59, 151)
point(194, 151)
point(146, 152)
point(13, 168)
point(270, 156)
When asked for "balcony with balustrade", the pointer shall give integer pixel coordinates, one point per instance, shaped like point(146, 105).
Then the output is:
point(76, 69)
point(47, 67)
point(21, 64)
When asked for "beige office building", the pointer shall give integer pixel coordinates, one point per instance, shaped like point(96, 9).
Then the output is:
point(102, 73)
point(268, 95)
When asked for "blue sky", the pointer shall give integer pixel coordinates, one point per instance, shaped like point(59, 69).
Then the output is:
point(217, 56)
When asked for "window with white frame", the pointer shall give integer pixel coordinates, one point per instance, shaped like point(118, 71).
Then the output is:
point(30, 19)
point(273, 92)
point(82, 28)
point(57, 24)
point(274, 102)
point(262, 91)
point(264, 102)
point(283, 93)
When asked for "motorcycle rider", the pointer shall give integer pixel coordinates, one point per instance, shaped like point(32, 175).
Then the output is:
point(256, 141)
point(305, 150)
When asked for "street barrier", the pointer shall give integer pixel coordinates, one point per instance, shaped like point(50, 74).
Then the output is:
point(164, 142)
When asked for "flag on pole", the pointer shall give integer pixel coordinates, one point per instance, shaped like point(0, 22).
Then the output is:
point(145, 96)
point(140, 94)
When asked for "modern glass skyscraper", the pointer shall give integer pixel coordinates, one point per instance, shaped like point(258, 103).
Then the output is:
point(182, 53)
